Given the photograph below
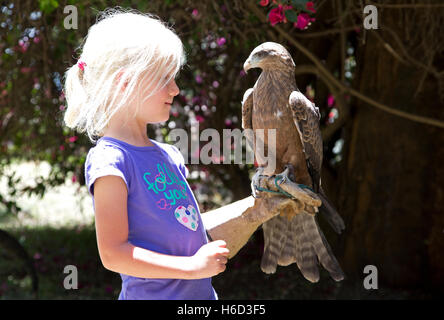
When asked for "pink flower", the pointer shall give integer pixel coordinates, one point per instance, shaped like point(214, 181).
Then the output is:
point(195, 13)
point(264, 3)
point(276, 15)
point(200, 118)
point(221, 41)
point(303, 21)
point(36, 40)
point(23, 46)
point(330, 100)
point(310, 6)
point(332, 115)
point(25, 70)
point(62, 147)
point(72, 139)
point(74, 179)
point(198, 79)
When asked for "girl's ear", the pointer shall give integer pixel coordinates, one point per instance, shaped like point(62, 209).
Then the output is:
point(119, 75)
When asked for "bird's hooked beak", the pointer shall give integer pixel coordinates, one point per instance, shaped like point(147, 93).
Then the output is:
point(250, 63)
point(247, 65)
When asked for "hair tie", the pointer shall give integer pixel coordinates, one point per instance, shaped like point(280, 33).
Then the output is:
point(81, 65)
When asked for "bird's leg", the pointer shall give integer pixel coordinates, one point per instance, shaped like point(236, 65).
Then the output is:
point(285, 175)
point(281, 183)
point(304, 195)
point(255, 182)
point(291, 172)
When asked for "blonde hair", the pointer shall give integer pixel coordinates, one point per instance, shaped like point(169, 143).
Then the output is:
point(123, 45)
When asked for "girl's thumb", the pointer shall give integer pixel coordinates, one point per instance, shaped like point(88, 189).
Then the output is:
point(220, 243)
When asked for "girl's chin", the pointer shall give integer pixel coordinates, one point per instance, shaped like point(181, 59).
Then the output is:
point(159, 121)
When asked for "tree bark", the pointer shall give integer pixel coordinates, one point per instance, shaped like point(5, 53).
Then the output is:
point(392, 177)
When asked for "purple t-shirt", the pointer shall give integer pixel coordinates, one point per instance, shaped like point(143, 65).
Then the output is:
point(163, 215)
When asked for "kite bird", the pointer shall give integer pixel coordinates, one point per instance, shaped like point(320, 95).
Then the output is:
point(292, 236)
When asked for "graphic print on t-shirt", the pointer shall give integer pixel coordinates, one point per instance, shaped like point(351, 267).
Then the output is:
point(187, 217)
point(165, 184)
point(169, 188)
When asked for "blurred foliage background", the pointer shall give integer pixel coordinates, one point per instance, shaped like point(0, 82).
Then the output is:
point(380, 93)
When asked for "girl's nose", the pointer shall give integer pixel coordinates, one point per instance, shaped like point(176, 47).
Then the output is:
point(173, 88)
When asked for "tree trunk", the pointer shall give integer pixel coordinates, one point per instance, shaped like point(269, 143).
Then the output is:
point(392, 176)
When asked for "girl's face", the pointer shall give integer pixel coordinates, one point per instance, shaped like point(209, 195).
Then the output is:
point(157, 108)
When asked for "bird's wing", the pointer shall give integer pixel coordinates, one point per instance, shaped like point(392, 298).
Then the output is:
point(306, 117)
point(247, 111)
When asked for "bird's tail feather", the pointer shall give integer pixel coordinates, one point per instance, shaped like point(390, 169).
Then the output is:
point(274, 239)
point(286, 256)
point(299, 240)
point(320, 247)
point(330, 213)
point(308, 263)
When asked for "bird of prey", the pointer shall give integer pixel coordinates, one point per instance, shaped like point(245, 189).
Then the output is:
point(276, 103)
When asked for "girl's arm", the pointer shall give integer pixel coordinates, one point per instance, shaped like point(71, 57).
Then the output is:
point(118, 255)
point(236, 222)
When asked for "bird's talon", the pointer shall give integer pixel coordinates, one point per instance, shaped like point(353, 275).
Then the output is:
point(255, 193)
point(255, 181)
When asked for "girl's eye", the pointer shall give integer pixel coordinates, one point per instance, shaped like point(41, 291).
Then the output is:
point(171, 78)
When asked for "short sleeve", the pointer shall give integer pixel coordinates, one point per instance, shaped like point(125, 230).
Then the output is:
point(105, 161)
point(181, 161)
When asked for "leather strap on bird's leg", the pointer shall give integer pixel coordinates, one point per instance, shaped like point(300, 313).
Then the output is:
point(276, 184)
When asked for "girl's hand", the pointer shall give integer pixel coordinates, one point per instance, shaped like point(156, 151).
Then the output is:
point(209, 260)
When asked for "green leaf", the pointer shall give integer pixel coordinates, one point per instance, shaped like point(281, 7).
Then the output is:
point(300, 4)
point(291, 15)
point(48, 6)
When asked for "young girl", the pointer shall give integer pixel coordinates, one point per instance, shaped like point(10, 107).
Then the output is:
point(148, 225)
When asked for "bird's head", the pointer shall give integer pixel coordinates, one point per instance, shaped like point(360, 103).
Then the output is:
point(269, 56)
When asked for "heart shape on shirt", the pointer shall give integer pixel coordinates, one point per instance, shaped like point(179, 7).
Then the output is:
point(187, 217)
point(163, 204)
